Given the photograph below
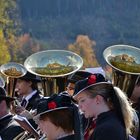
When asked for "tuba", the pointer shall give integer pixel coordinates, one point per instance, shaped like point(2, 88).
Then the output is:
point(12, 70)
point(2, 82)
point(125, 63)
point(53, 66)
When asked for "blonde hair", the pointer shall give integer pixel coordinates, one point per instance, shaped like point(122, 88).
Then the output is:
point(127, 110)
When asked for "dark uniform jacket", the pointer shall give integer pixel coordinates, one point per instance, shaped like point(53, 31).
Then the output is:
point(108, 127)
point(33, 101)
point(137, 108)
point(138, 137)
point(9, 128)
point(70, 137)
point(32, 104)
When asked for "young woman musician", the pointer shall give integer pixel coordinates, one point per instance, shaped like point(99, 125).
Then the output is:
point(108, 106)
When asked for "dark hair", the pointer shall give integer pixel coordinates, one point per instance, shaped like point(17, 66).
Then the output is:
point(62, 118)
point(7, 103)
point(34, 85)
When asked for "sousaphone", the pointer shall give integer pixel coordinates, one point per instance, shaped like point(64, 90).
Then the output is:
point(12, 70)
point(53, 66)
point(125, 63)
point(2, 82)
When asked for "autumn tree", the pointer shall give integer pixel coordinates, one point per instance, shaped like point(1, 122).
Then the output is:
point(84, 47)
point(9, 27)
point(4, 52)
point(27, 46)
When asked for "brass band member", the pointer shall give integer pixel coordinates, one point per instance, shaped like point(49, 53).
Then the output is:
point(27, 88)
point(58, 118)
point(75, 77)
point(9, 128)
point(112, 114)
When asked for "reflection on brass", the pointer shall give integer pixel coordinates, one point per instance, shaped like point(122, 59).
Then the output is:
point(12, 72)
point(125, 62)
point(53, 69)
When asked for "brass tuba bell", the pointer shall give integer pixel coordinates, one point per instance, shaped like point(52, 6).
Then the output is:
point(125, 63)
point(53, 66)
point(12, 70)
point(2, 82)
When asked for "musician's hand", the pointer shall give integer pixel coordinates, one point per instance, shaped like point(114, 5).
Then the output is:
point(26, 114)
point(15, 109)
point(19, 109)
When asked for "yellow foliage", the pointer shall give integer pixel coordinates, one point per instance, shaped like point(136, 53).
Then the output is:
point(4, 53)
point(1, 34)
point(84, 47)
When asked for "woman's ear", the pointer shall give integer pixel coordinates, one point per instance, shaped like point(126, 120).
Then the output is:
point(99, 99)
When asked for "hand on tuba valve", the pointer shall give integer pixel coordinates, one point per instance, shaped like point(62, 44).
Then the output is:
point(14, 108)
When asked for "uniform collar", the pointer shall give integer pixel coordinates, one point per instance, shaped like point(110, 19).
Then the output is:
point(28, 97)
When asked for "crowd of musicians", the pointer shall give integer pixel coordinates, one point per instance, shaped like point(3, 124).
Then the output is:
point(90, 108)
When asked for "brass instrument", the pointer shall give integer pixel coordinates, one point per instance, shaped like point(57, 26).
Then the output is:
point(125, 63)
point(53, 66)
point(26, 136)
point(29, 132)
point(2, 82)
point(12, 70)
